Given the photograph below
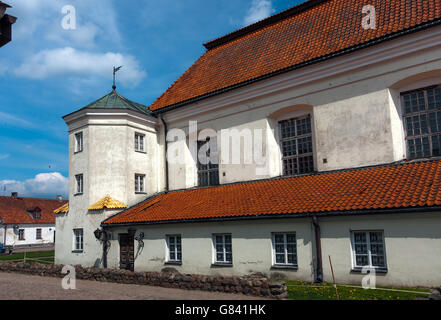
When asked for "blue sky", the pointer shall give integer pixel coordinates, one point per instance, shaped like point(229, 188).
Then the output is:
point(47, 71)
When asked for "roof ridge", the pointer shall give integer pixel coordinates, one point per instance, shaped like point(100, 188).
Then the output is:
point(277, 17)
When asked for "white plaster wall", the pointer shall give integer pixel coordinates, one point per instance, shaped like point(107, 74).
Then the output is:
point(108, 163)
point(356, 116)
point(47, 235)
point(412, 241)
point(251, 241)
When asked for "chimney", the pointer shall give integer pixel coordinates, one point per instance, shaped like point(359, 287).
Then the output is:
point(14, 195)
point(59, 198)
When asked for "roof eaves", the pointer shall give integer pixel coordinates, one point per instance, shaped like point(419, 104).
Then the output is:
point(301, 65)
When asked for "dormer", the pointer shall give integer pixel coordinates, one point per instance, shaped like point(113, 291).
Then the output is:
point(34, 212)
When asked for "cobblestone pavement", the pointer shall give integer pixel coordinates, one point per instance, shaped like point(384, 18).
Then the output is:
point(14, 286)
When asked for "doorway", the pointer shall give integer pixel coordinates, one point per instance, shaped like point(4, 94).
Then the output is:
point(126, 252)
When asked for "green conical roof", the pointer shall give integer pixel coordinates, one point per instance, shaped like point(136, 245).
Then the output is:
point(114, 100)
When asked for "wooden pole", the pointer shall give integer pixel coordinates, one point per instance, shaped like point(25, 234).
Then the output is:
point(24, 257)
point(333, 278)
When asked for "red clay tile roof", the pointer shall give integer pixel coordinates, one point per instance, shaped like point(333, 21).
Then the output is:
point(302, 34)
point(393, 186)
point(14, 211)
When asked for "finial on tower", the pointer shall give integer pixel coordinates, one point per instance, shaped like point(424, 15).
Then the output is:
point(115, 70)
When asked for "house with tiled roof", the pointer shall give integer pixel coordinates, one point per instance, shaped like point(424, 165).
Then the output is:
point(311, 136)
point(27, 222)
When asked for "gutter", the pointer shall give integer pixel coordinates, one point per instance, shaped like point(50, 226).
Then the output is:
point(280, 216)
point(165, 153)
point(318, 251)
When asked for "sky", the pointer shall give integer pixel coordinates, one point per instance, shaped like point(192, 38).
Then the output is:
point(57, 64)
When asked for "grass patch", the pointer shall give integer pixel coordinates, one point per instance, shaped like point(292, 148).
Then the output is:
point(298, 290)
point(47, 255)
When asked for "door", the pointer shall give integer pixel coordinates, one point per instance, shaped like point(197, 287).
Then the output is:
point(126, 252)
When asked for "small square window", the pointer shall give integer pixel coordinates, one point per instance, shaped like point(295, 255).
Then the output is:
point(174, 249)
point(139, 142)
point(80, 184)
point(78, 239)
point(223, 250)
point(285, 249)
point(79, 142)
point(139, 183)
point(368, 249)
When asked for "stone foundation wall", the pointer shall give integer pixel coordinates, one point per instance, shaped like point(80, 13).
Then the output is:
point(254, 285)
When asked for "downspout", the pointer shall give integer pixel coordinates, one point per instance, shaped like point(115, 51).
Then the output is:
point(105, 247)
point(6, 228)
point(165, 153)
point(318, 250)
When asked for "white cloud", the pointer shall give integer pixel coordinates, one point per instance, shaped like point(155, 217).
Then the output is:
point(10, 119)
point(69, 62)
point(44, 17)
point(43, 184)
point(260, 9)
point(4, 156)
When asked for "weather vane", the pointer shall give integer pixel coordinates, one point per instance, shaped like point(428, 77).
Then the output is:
point(115, 70)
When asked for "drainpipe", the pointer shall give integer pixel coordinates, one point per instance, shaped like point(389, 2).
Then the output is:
point(318, 250)
point(165, 153)
point(6, 228)
point(105, 247)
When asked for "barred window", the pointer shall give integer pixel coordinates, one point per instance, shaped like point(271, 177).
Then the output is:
point(38, 234)
point(296, 145)
point(208, 172)
point(368, 249)
point(422, 121)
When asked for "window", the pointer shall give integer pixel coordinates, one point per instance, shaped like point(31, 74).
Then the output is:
point(223, 253)
point(79, 142)
point(21, 234)
point(422, 118)
point(79, 179)
point(174, 249)
point(285, 249)
point(296, 145)
point(139, 142)
point(78, 239)
point(368, 249)
point(139, 183)
point(208, 171)
point(36, 214)
point(38, 235)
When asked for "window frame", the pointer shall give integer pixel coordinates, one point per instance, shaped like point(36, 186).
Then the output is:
point(177, 251)
point(224, 262)
point(296, 138)
point(285, 265)
point(137, 189)
point(78, 246)
point(21, 234)
point(367, 233)
point(38, 234)
point(210, 169)
point(139, 137)
point(79, 146)
point(426, 112)
point(79, 184)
